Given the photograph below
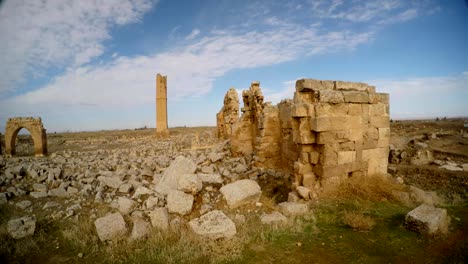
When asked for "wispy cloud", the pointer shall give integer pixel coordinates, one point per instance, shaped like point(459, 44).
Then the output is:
point(37, 35)
point(195, 32)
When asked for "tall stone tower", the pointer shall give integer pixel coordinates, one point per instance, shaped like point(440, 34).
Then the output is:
point(161, 106)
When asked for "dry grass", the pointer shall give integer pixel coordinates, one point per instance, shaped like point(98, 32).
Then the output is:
point(358, 221)
point(369, 188)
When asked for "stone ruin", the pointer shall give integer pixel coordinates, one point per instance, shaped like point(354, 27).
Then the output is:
point(330, 131)
point(161, 106)
point(34, 126)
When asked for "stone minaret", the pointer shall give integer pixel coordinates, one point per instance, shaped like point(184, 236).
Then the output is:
point(161, 106)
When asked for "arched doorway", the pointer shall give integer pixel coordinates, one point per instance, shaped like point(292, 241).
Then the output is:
point(34, 126)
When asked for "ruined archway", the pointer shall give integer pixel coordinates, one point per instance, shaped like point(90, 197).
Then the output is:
point(35, 128)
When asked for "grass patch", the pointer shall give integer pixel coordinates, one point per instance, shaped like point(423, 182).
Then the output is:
point(358, 221)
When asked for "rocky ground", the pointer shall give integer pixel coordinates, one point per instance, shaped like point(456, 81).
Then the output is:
point(129, 184)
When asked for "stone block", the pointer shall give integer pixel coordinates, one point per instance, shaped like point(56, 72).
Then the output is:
point(379, 121)
point(302, 110)
point(179, 202)
point(330, 96)
point(302, 168)
point(303, 192)
point(313, 157)
point(213, 225)
point(377, 110)
point(159, 218)
point(375, 98)
point(377, 166)
point(293, 209)
point(241, 192)
point(371, 133)
point(356, 97)
point(140, 230)
point(303, 85)
point(384, 137)
point(346, 146)
point(346, 157)
point(320, 124)
point(328, 158)
point(110, 227)
point(376, 153)
point(273, 218)
point(354, 86)
point(429, 220)
point(21, 227)
point(328, 171)
point(190, 183)
point(126, 205)
point(327, 110)
point(309, 180)
point(354, 109)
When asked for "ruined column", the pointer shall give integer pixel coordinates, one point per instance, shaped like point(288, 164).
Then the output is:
point(161, 106)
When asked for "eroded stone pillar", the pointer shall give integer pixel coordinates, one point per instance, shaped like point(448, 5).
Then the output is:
point(161, 106)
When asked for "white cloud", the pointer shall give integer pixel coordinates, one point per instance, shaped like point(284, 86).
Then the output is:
point(195, 32)
point(421, 97)
point(37, 35)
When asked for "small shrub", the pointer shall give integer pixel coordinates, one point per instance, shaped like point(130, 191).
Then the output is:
point(358, 221)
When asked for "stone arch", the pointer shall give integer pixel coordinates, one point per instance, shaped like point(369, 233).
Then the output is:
point(35, 128)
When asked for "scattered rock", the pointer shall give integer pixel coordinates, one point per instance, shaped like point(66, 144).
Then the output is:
point(304, 192)
point(141, 190)
point(293, 197)
point(293, 208)
point(214, 157)
point(159, 218)
point(213, 178)
point(190, 183)
point(37, 195)
point(427, 219)
point(140, 229)
point(213, 225)
point(151, 202)
point(110, 227)
point(273, 218)
point(451, 167)
point(179, 202)
point(126, 205)
point(112, 182)
point(22, 227)
point(180, 166)
point(23, 204)
point(58, 192)
point(241, 192)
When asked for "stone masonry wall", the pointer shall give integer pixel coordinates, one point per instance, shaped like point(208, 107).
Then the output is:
point(330, 131)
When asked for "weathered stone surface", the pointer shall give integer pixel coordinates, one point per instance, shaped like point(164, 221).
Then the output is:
point(159, 218)
point(190, 183)
point(140, 229)
point(214, 157)
point(426, 219)
point(303, 192)
point(241, 192)
point(273, 218)
point(293, 209)
point(213, 225)
point(179, 202)
point(37, 195)
point(22, 227)
point(126, 205)
point(110, 227)
point(180, 166)
point(58, 192)
point(112, 182)
point(210, 178)
point(140, 191)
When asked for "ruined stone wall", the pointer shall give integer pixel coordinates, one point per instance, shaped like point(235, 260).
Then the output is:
point(34, 126)
point(330, 131)
point(228, 115)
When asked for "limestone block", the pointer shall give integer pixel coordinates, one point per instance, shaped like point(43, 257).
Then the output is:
point(354, 109)
point(356, 97)
point(326, 109)
point(303, 192)
point(375, 98)
point(159, 218)
point(21, 227)
point(371, 133)
point(303, 97)
point(302, 168)
point(376, 153)
point(179, 202)
point(379, 121)
point(377, 110)
point(320, 124)
point(126, 205)
point(302, 110)
point(330, 96)
point(304, 157)
point(241, 192)
point(190, 183)
point(304, 85)
point(332, 170)
point(354, 86)
point(329, 158)
point(384, 137)
point(346, 157)
point(213, 225)
point(293, 209)
point(309, 180)
point(346, 146)
point(140, 230)
point(377, 166)
point(427, 219)
point(370, 144)
point(110, 227)
point(365, 114)
point(313, 157)
point(273, 218)
point(180, 166)
point(112, 181)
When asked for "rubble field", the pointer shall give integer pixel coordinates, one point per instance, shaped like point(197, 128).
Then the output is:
point(127, 196)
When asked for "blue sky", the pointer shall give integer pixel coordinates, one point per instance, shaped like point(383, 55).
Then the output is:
point(91, 65)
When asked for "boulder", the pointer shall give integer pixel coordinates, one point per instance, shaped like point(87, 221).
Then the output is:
point(293, 208)
point(141, 190)
point(427, 219)
point(189, 183)
point(273, 218)
point(178, 167)
point(179, 202)
point(212, 178)
point(304, 192)
point(241, 192)
point(151, 202)
point(110, 227)
point(22, 227)
point(126, 205)
point(213, 225)
point(112, 182)
point(159, 218)
point(140, 229)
